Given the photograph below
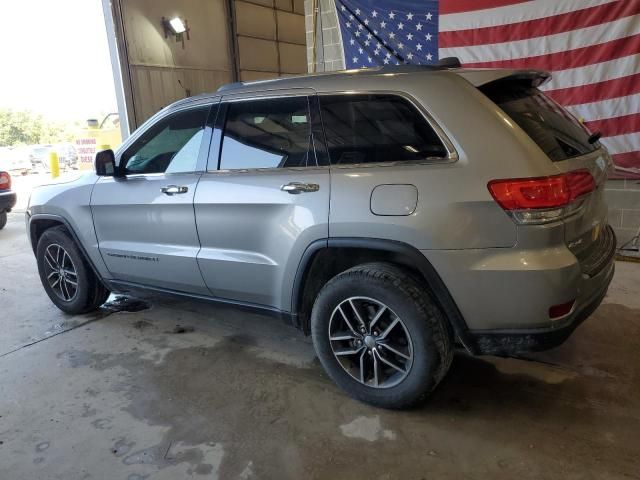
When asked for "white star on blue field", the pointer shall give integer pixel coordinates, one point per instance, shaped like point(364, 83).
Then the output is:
point(388, 32)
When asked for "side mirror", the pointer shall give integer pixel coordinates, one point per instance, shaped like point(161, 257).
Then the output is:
point(105, 163)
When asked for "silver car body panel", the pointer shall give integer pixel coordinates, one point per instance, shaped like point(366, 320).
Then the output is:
point(253, 234)
point(71, 201)
point(146, 236)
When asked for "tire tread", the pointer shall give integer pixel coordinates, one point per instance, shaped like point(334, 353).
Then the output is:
point(395, 278)
point(97, 292)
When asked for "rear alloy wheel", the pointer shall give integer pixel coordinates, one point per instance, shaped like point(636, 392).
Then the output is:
point(65, 274)
point(370, 331)
point(380, 336)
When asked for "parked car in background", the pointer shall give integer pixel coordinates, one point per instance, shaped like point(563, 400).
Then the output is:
point(7, 197)
point(15, 160)
point(67, 156)
point(39, 158)
point(391, 213)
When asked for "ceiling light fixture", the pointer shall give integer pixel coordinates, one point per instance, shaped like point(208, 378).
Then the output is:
point(177, 27)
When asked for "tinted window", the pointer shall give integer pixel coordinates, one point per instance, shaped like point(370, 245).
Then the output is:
point(376, 128)
point(267, 133)
point(171, 145)
point(555, 131)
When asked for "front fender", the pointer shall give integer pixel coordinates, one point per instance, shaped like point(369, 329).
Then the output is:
point(68, 204)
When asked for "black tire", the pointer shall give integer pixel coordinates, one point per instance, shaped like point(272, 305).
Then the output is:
point(90, 292)
point(409, 300)
point(3, 220)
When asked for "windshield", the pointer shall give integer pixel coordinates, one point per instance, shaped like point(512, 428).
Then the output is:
point(548, 124)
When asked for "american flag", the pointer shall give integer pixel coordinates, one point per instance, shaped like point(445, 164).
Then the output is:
point(592, 48)
point(388, 33)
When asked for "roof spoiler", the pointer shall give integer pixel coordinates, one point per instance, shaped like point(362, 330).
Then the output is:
point(482, 78)
point(536, 77)
point(448, 62)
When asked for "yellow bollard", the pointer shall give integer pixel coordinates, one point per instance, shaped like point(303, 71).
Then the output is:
point(54, 164)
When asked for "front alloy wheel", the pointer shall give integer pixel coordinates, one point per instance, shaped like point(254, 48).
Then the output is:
point(66, 276)
point(61, 272)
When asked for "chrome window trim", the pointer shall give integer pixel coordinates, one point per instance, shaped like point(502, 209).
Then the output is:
point(268, 94)
point(250, 171)
point(134, 176)
point(452, 153)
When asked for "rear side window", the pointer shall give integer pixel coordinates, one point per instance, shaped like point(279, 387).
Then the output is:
point(554, 129)
point(377, 128)
point(267, 133)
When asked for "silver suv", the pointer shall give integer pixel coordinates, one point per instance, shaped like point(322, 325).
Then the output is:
point(391, 213)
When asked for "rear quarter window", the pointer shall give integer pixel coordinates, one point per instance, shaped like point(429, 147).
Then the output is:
point(559, 134)
point(376, 128)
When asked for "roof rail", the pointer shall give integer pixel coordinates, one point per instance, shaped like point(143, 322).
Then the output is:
point(230, 86)
point(442, 64)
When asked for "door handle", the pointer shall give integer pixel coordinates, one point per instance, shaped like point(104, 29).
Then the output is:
point(295, 188)
point(174, 190)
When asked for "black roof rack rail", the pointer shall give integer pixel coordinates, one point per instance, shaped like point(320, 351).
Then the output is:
point(230, 86)
point(443, 64)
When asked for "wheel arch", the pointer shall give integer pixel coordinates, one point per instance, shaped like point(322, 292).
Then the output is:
point(325, 258)
point(41, 222)
point(38, 224)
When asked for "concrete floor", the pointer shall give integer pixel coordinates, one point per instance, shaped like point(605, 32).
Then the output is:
point(117, 395)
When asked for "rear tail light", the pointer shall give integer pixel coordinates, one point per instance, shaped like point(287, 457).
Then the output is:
point(5, 181)
point(542, 199)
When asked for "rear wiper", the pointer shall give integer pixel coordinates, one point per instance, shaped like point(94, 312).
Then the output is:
point(594, 137)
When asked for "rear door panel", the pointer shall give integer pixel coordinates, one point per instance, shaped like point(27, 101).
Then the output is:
point(252, 233)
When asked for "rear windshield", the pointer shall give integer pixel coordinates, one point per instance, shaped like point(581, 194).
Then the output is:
point(555, 131)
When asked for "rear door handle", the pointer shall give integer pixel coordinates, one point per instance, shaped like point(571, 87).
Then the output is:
point(295, 188)
point(174, 189)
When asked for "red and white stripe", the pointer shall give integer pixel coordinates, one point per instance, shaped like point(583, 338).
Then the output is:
point(592, 47)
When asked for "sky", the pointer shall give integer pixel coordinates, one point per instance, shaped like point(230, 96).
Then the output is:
point(54, 59)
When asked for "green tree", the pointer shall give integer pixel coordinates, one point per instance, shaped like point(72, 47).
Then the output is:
point(24, 127)
point(17, 127)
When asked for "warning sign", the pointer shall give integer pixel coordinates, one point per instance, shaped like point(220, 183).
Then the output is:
point(86, 148)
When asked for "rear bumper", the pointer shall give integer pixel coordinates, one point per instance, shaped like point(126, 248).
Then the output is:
point(7, 201)
point(510, 342)
point(504, 295)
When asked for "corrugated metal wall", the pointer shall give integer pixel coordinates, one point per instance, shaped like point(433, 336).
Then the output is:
point(229, 40)
point(270, 38)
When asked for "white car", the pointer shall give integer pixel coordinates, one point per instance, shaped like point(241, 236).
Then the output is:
point(15, 159)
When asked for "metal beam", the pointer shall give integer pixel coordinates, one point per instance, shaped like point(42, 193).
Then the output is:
point(124, 97)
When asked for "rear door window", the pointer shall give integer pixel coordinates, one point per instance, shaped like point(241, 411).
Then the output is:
point(560, 135)
point(375, 128)
point(267, 133)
